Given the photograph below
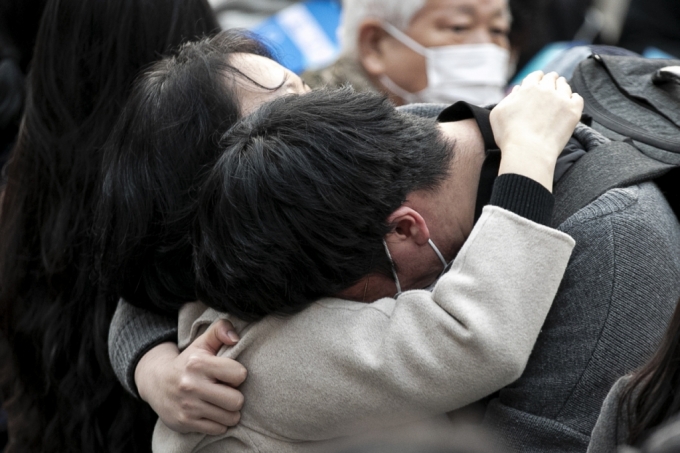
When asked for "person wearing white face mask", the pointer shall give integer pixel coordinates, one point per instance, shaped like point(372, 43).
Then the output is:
point(476, 73)
point(436, 51)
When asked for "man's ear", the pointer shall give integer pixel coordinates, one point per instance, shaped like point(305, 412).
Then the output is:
point(409, 225)
point(369, 46)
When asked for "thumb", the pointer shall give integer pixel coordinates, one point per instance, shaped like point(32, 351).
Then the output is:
point(219, 333)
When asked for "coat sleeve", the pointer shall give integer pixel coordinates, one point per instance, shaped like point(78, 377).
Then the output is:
point(615, 301)
point(340, 365)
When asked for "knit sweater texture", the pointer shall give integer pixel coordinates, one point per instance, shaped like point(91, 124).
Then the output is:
point(612, 309)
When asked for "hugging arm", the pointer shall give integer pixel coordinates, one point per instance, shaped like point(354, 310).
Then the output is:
point(191, 391)
point(133, 332)
point(341, 365)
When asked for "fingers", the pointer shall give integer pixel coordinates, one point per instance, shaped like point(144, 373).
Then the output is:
point(196, 415)
point(205, 426)
point(218, 415)
point(220, 369)
point(218, 334)
point(542, 111)
point(532, 79)
point(226, 332)
point(563, 87)
point(191, 391)
point(229, 371)
point(221, 396)
point(549, 80)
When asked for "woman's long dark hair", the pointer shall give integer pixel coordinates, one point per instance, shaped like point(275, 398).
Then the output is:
point(58, 386)
point(166, 137)
point(19, 20)
point(652, 395)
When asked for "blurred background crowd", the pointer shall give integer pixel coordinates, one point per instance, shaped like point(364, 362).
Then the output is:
point(306, 35)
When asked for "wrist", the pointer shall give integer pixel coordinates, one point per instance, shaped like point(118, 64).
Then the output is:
point(531, 160)
point(528, 147)
point(524, 197)
point(149, 363)
point(542, 174)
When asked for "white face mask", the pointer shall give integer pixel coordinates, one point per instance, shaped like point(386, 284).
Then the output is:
point(475, 73)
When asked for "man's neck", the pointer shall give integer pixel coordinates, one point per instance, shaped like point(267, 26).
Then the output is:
point(489, 170)
point(458, 195)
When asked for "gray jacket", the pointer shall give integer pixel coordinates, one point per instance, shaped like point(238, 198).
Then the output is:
point(612, 309)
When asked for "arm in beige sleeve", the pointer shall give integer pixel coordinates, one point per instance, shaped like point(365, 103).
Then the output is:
point(318, 374)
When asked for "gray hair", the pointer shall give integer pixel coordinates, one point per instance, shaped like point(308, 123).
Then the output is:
point(397, 12)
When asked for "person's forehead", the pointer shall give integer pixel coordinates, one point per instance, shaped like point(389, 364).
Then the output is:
point(489, 8)
point(259, 69)
point(261, 80)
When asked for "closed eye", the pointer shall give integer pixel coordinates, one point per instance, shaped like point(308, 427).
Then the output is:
point(459, 28)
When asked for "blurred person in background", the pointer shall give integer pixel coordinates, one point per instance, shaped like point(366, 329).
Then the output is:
point(435, 51)
point(58, 386)
point(652, 23)
point(247, 13)
point(640, 403)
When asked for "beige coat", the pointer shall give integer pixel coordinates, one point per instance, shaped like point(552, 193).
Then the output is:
point(341, 366)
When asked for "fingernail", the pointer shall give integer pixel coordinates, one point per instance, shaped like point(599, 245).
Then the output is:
point(233, 336)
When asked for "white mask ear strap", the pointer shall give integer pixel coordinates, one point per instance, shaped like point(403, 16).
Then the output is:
point(404, 39)
point(407, 96)
point(394, 271)
point(439, 254)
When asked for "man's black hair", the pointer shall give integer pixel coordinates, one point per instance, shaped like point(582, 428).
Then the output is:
point(296, 207)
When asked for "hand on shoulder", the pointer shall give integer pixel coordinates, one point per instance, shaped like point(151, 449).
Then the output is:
point(533, 124)
point(194, 391)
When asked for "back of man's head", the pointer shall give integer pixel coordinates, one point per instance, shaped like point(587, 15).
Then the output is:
point(396, 12)
point(296, 207)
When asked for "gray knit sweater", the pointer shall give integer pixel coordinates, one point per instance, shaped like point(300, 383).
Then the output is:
point(615, 301)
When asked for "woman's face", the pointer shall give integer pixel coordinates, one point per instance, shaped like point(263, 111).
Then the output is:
point(268, 80)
